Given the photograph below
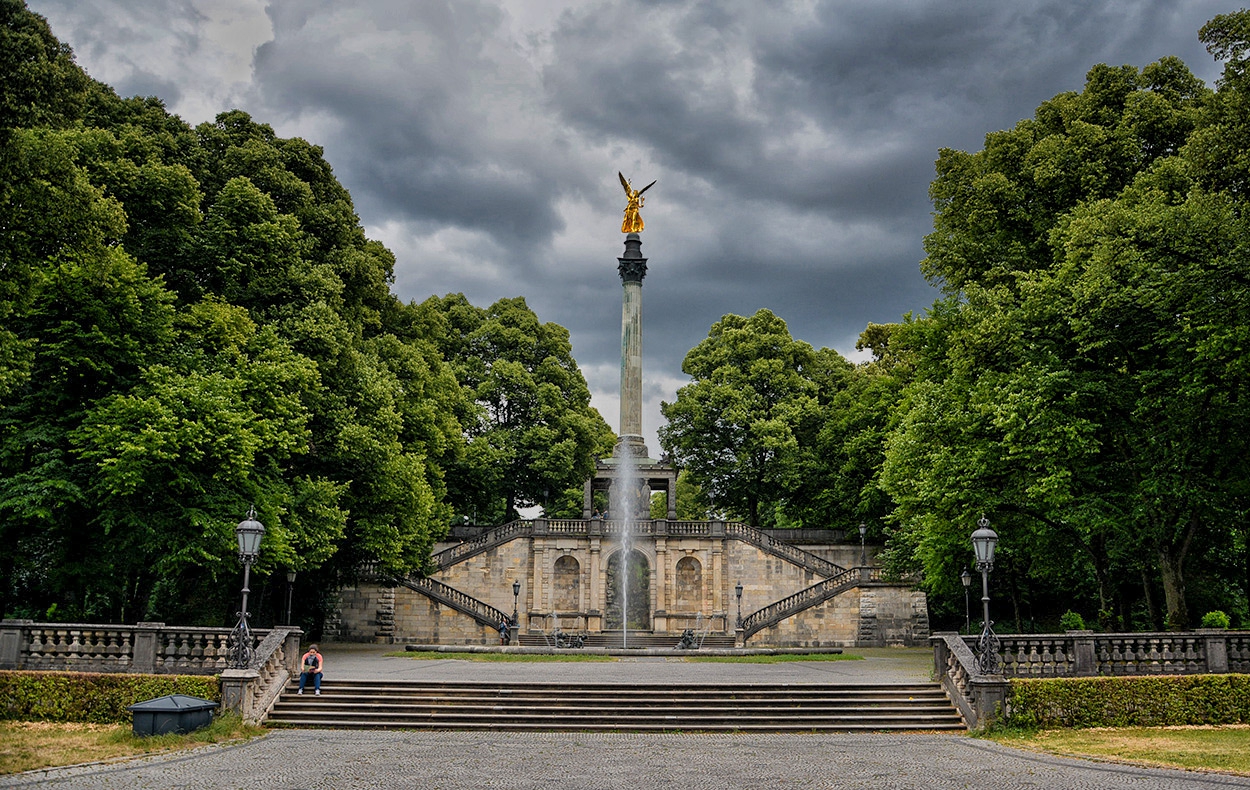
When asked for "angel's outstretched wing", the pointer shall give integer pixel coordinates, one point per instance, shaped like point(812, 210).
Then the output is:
point(648, 186)
point(625, 183)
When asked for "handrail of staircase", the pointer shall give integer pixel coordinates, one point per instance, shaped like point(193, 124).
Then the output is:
point(524, 529)
point(484, 542)
point(253, 690)
point(980, 698)
point(462, 602)
point(762, 540)
point(806, 598)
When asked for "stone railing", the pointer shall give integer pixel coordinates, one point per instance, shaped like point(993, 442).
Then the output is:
point(1080, 654)
point(1085, 653)
point(762, 540)
point(145, 648)
point(252, 692)
point(482, 612)
point(154, 648)
point(645, 528)
point(485, 542)
point(805, 599)
point(979, 698)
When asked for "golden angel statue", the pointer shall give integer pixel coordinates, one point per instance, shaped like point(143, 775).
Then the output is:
point(633, 220)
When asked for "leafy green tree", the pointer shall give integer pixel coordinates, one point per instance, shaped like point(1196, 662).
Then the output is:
point(736, 428)
point(1087, 381)
point(531, 430)
point(42, 85)
point(192, 321)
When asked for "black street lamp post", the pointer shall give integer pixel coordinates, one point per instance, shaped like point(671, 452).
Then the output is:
point(863, 551)
point(248, 533)
point(738, 592)
point(290, 588)
point(516, 596)
point(966, 578)
point(984, 541)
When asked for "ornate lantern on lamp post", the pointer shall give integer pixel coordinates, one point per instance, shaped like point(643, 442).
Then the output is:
point(863, 551)
point(248, 532)
point(966, 578)
point(290, 588)
point(984, 541)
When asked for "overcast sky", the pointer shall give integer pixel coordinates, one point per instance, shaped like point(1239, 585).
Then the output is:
point(793, 142)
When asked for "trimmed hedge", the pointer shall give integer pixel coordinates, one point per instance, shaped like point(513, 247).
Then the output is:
point(1153, 701)
point(91, 697)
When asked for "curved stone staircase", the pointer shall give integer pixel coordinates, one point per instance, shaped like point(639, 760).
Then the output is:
point(837, 581)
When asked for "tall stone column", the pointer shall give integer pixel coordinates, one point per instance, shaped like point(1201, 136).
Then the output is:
point(632, 268)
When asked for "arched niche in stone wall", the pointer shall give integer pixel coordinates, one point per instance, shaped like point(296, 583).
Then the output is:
point(689, 585)
point(639, 592)
point(566, 580)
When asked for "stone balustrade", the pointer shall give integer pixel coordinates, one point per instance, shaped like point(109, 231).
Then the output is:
point(157, 649)
point(1080, 654)
point(148, 648)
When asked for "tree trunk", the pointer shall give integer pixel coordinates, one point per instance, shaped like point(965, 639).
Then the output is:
point(1170, 569)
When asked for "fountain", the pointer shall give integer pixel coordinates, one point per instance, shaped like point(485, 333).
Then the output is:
point(625, 506)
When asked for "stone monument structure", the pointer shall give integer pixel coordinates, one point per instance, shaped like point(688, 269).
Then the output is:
point(722, 581)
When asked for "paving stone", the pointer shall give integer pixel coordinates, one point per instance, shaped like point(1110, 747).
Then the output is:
point(346, 760)
point(329, 759)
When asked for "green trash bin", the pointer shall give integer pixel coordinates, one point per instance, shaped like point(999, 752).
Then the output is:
point(172, 713)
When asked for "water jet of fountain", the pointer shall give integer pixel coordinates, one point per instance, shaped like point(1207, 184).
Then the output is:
point(625, 506)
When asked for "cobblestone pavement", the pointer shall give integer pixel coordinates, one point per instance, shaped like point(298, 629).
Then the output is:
point(308, 759)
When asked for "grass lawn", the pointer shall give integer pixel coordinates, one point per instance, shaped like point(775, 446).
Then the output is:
point(30, 745)
point(523, 657)
point(576, 656)
point(1214, 748)
point(780, 658)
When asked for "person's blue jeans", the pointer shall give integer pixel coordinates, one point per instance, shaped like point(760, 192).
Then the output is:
point(303, 678)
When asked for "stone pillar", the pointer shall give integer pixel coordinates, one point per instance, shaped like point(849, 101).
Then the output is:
point(989, 698)
point(1085, 660)
point(594, 605)
point(672, 497)
point(632, 268)
point(1215, 647)
point(290, 651)
point(12, 642)
point(146, 647)
point(588, 498)
point(663, 577)
point(238, 690)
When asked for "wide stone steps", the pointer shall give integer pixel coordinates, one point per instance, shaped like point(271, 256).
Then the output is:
point(619, 707)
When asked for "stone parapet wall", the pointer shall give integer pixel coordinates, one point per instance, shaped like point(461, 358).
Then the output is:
point(362, 614)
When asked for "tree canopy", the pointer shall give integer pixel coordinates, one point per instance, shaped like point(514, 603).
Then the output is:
point(1082, 381)
point(192, 321)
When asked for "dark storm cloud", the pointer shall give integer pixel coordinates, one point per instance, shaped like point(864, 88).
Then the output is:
point(426, 101)
point(794, 142)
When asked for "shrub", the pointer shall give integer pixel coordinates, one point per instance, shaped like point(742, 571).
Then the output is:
point(1216, 619)
point(1071, 621)
point(91, 697)
point(1155, 701)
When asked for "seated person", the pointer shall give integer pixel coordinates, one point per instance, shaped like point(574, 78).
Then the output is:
point(310, 664)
